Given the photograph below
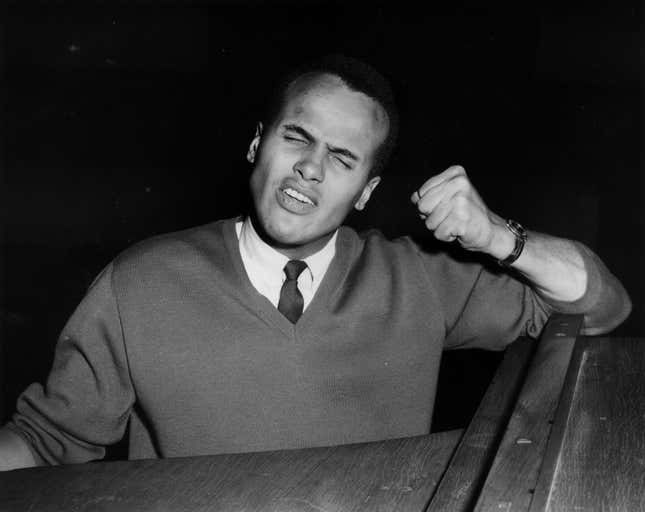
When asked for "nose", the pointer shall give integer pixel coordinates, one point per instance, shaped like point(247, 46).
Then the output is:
point(310, 166)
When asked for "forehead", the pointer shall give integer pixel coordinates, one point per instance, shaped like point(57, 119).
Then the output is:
point(326, 104)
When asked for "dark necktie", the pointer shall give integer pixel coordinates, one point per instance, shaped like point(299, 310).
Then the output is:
point(291, 302)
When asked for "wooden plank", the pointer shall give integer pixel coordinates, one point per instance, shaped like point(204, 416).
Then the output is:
point(398, 474)
point(595, 459)
point(552, 450)
point(511, 481)
point(146, 485)
point(460, 485)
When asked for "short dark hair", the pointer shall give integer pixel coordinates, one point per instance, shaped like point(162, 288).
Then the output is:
point(357, 76)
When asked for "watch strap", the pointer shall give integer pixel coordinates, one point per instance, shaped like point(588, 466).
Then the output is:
point(520, 238)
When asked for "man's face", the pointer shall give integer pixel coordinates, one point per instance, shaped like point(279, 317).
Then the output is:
point(312, 164)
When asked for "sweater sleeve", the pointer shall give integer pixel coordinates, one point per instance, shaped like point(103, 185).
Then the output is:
point(483, 306)
point(86, 401)
point(487, 307)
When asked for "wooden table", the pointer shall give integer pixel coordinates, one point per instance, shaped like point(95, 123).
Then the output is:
point(399, 474)
point(561, 428)
point(595, 459)
point(574, 440)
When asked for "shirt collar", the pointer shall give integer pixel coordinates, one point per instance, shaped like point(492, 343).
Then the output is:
point(265, 256)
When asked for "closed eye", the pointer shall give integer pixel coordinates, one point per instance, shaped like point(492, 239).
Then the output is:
point(342, 162)
point(296, 134)
point(345, 156)
point(295, 139)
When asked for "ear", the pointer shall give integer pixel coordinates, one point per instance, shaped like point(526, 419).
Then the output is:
point(367, 192)
point(255, 143)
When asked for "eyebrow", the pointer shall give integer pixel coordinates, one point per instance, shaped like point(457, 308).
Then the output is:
point(300, 131)
point(304, 133)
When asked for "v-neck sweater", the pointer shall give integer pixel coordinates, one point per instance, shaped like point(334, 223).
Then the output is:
point(173, 342)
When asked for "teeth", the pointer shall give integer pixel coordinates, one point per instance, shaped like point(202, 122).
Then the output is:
point(297, 195)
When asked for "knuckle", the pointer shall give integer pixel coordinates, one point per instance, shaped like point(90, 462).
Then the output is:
point(460, 202)
point(462, 182)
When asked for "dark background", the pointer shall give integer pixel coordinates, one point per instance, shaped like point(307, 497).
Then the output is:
point(125, 122)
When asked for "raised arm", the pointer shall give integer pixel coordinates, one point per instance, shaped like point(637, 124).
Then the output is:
point(565, 273)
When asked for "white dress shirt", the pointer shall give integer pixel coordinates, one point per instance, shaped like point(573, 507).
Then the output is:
point(265, 266)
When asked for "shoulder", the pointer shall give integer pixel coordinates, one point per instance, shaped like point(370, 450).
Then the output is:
point(374, 241)
point(437, 261)
point(178, 242)
point(180, 250)
point(427, 251)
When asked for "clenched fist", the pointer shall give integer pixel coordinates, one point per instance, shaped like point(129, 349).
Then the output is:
point(453, 210)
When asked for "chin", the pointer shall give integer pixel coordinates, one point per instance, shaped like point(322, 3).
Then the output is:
point(276, 233)
point(285, 230)
point(287, 237)
point(296, 240)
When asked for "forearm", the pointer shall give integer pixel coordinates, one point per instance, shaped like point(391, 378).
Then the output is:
point(554, 266)
point(568, 276)
point(14, 452)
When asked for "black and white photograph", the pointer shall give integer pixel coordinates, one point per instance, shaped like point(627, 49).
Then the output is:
point(322, 256)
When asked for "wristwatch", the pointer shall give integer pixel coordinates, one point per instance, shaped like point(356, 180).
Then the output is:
point(520, 237)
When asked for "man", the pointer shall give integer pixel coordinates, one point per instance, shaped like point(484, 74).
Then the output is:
point(284, 330)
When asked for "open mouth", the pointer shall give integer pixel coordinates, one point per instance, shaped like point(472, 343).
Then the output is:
point(298, 196)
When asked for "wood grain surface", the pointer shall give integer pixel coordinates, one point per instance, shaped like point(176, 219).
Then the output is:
point(398, 474)
point(512, 479)
point(596, 456)
point(460, 486)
